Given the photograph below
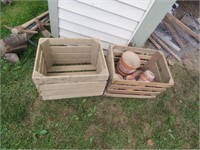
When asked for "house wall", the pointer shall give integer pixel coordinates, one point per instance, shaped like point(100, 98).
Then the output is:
point(113, 21)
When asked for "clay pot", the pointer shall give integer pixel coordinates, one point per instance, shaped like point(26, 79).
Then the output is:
point(128, 63)
point(147, 76)
point(134, 75)
point(118, 76)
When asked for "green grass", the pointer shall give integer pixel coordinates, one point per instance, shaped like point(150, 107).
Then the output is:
point(171, 120)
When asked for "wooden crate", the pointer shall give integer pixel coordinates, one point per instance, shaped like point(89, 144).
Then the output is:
point(67, 68)
point(137, 89)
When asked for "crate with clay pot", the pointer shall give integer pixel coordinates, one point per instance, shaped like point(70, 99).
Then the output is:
point(137, 72)
point(66, 68)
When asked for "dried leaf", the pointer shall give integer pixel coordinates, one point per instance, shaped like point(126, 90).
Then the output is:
point(150, 143)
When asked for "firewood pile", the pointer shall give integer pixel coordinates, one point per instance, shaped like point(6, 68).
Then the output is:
point(20, 35)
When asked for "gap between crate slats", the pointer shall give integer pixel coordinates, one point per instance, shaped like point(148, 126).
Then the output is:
point(132, 92)
point(72, 61)
point(71, 73)
point(71, 68)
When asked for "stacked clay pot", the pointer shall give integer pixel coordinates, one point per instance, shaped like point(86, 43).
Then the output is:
point(128, 63)
point(147, 76)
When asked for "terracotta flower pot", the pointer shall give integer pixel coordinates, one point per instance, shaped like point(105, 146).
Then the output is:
point(147, 76)
point(128, 63)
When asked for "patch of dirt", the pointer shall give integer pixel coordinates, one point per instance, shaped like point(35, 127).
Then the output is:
point(147, 130)
point(35, 110)
point(68, 111)
point(91, 131)
point(110, 112)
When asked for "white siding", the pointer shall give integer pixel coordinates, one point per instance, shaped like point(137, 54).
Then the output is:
point(112, 21)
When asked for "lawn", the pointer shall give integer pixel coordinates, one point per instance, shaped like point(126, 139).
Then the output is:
point(170, 121)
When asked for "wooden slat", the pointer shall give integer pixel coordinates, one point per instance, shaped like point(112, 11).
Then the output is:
point(43, 67)
point(44, 42)
point(110, 62)
point(116, 59)
point(129, 92)
point(146, 51)
point(101, 64)
point(37, 59)
point(71, 68)
point(146, 57)
point(95, 51)
point(153, 59)
point(151, 84)
point(129, 96)
point(165, 70)
point(72, 73)
point(165, 47)
point(66, 86)
point(171, 18)
point(54, 97)
point(71, 56)
point(70, 49)
point(141, 88)
point(40, 60)
point(156, 71)
point(72, 61)
point(66, 79)
point(67, 41)
point(74, 91)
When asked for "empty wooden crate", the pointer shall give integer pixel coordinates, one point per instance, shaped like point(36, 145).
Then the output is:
point(137, 89)
point(67, 68)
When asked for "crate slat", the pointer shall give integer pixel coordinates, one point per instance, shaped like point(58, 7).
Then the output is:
point(152, 84)
point(71, 91)
point(54, 97)
point(142, 88)
point(66, 86)
point(70, 41)
point(129, 92)
point(129, 96)
point(70, 49)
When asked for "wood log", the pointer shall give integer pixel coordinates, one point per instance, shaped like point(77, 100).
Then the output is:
point(175, 35)
point(166, 40)
point(154, 42)
point(183, 26)
point(166, 47)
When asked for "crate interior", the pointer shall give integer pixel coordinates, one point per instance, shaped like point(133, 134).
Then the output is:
point(63, 57)
point(159, 68)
